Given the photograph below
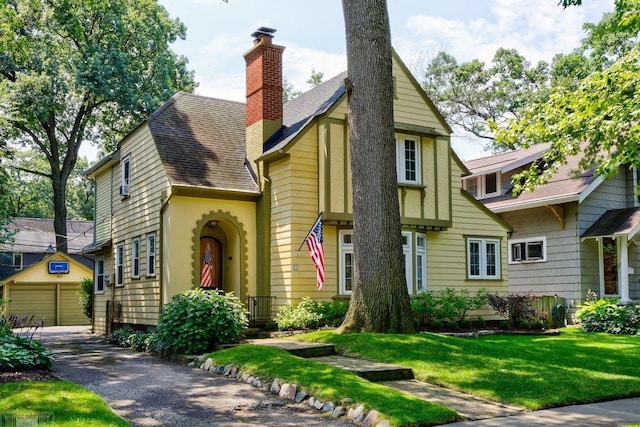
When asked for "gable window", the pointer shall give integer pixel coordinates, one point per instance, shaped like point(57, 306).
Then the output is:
point(532, 249)
point(125, 172)
point(408, 159)
point(99, 276)
point(151, 255)
point(483, 186)
point(17, 261)
point(120, 264)
point(135, 257)
point(483, 258)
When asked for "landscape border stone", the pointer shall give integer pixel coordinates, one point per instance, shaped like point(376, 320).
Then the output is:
point(355, 413)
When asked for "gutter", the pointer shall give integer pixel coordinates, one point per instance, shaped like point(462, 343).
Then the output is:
point(160, 255)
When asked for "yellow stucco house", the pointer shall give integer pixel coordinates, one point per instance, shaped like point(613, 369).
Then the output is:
point(243, 183)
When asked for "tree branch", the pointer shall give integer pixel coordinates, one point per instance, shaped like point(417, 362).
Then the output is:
point(31, 171)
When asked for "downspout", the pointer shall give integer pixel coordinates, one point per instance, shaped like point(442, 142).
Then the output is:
point(160, 255)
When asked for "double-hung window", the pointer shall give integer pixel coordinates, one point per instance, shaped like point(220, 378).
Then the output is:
point(421, 263)
point(151, 254)
point(483, 258)
point(99, 276)
point(483, 186)
point(125, 175)
point(533, 249)
point(135, 257)
point(120, 264)
point(347, 262)
point(17, 261)
point(408, 159)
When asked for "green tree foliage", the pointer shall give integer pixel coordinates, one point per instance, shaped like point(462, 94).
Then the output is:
point(600, 118)
point(77, 70)
point(30, 194)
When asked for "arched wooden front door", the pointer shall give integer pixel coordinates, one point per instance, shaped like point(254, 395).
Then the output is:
point(210, 263)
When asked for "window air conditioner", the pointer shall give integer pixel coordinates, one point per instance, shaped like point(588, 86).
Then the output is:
point(124, 190)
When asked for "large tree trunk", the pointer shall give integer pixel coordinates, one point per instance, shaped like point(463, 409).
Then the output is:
point(60, 210)
point(380, 300)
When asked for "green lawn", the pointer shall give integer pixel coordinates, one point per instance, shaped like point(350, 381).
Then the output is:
point(531, 371)
point(329, 383)
point(71, 404)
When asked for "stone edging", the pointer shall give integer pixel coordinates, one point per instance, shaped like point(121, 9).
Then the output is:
point(356, 415)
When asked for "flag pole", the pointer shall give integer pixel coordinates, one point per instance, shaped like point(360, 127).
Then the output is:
point(305, 237)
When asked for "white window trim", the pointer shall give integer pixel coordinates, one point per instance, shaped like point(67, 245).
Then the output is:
point(119, 262)
point(407, 250)
point(17, 266)
point(483, 258)
point(149, 264)
point(511, 243)
point(135, 257)
point(99, 261)
point(344, 248)
point(423, 253)
point(400, 159)
point(481, 185)
point(636, 197)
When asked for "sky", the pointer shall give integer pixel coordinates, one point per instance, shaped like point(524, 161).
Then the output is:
point(219, 33)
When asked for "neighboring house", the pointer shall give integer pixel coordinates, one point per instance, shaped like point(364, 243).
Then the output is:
point(28, 282)
point(48, 290)
point(33, 238)
point(240, 186)
point(576, 233)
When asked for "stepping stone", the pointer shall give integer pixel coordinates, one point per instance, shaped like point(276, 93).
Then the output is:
point(372, 371)
point(301, 349)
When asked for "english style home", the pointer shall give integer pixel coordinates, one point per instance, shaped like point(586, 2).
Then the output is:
point(576, 233)
point(240, 185)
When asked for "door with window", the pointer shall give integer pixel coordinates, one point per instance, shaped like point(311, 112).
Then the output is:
point(610, 266)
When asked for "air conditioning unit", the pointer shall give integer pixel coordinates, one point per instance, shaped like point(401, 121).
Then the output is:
point(124, 190)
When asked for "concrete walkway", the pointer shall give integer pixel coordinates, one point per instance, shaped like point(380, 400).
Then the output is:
point(482, 412)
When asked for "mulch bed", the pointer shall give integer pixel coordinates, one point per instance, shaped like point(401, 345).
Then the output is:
point(30, 375)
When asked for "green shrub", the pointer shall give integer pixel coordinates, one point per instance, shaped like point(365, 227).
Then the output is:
point(332, 313)
point(604, 315)
point(447, 304)
point(23, 353)
point(537, 325)
point(480, 322)
point(271, 326)
point(504, 324)
point(195, 321)
point(437, 325)
point(86, 296)
point(465, 323)
point(305, 315)
point(452, 325)
point(122, 336)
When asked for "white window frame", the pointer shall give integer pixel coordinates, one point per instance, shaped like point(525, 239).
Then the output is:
point(481, 185)
point(516, 245)
point(346, 249)
point(635, 172)
point(483, 243)
point(125, 177)
point(119, 264)
point(421, 263)
point(99, 276)
point(407, 252)
point(401, 159)
point(152, 249)
point(135, 258)
point(20, 264)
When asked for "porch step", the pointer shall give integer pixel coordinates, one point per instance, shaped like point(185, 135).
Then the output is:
point(371, 371)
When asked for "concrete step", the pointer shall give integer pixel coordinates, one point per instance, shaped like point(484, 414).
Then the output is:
point(301, 349)
point(469, 407)
point(371, 371)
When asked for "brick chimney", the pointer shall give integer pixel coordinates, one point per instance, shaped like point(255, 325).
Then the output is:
point(264, 91)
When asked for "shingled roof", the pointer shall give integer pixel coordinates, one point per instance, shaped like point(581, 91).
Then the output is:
point(34, 235)
point(201, 143)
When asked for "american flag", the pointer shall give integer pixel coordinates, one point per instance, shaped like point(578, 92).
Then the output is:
point(316, 249)
point(206, 278)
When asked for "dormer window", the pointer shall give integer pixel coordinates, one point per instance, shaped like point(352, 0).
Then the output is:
point(483, 186)
point(408, 159)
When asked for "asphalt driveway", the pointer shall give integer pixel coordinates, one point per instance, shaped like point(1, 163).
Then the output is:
point(148, 391)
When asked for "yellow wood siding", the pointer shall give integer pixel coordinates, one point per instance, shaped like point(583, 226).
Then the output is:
point(137, 216)
point(103, 199)
point(70, 313)
point(444, 186)
point(409, 107)
point(338, 169)
point(294, 208)
point(446, 250)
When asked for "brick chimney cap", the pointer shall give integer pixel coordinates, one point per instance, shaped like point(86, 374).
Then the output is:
point(263, 31)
